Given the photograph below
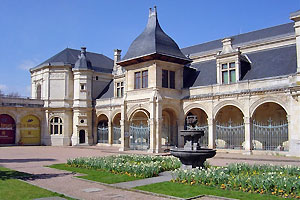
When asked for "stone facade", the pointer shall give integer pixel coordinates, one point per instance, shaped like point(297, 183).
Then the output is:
point(143, 102)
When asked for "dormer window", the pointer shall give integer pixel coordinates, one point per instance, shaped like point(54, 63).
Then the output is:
point(228, 73)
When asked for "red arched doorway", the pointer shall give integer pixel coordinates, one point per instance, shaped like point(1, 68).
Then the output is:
point(7, 129)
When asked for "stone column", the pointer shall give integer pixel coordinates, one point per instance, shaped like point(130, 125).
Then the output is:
point(248, 137)
point(110, 132)
point(211, 133)
point(180, 123)
point(152, 124)
point(158, 120)
point(124, 129)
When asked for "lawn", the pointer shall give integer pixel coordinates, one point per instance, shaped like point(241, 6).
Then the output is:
point(14, 189)
point(96, 175)
point(187, 191)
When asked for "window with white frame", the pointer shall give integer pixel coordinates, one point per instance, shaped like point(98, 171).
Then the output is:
point(228, 71)
point(56, 126)
point(120, 89)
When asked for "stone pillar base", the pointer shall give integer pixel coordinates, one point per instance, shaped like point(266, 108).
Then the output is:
point(247, 152)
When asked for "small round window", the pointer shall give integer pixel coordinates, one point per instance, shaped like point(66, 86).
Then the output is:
point(82, 121)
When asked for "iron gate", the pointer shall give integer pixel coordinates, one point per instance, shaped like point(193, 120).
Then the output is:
point(102, 134)
point(230, 136)
point(139, 137)
point(116, 135)
point(203, 140)
point(271, 136)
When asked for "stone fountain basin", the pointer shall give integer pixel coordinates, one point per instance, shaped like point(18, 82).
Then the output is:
point(195, 158)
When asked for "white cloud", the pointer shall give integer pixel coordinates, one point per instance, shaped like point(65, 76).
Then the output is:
point(27, 64)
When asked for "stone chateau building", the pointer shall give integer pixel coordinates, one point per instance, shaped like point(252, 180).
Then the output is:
point(243, 89)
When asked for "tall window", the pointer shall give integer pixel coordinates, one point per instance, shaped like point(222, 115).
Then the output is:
point(137, 80)
point(141, 79)
point(228, 73)
point(172, 79)
point(145, 79)
point(165, 79)
point(38, 91)
point(56, 126)
point(168, 79)
point(120, 89)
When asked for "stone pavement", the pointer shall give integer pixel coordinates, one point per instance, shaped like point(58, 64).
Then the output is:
point(164, 176)
point(32, 159)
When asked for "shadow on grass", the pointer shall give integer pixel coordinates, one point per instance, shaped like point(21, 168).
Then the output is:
point(10, 174)
point(26, 160)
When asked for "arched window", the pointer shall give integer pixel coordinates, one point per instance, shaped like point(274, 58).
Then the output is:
point(38, 91)
point(56, 126)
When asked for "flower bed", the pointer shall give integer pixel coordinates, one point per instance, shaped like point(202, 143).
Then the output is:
point(276, 180)
point(132, 165)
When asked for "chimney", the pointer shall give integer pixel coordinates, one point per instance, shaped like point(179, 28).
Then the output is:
point(117, 56)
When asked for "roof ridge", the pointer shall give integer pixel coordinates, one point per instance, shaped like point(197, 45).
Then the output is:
point(242, 34)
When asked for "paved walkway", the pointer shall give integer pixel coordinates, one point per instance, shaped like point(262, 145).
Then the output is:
point(33, 159)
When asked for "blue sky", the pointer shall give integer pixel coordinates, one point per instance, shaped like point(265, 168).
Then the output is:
point(34, 30)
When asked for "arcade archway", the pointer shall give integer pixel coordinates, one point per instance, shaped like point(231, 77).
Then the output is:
point(7, 129)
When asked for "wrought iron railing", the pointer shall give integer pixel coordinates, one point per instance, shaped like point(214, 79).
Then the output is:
point(139, 137)
point(230, 136)
point(102, 134)
point(117, 135)
point(203, 140)
point(271, 136)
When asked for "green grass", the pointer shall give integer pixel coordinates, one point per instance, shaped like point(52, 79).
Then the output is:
point(187, 191)
point(96, 175)
point(14, 189)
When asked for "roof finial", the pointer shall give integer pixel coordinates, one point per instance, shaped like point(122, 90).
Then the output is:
point(83, 50)
point(152, 12)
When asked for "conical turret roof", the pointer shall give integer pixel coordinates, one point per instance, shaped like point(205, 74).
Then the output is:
point(83, 62)
point(153, 43)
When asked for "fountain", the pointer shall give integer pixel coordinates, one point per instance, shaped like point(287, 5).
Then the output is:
point(192, 155)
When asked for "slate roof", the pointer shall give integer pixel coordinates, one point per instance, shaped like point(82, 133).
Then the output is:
point(276, 31)
point(153, 40)
point(100, 63)
point(267, 63)
point(108, 91)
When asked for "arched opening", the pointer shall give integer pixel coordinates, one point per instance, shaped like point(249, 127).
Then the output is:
point(117, 129)
point(7, 129)
point(30, 130)
point(230, 129)
point(39, 91)
point(201, 124)
point(102, 129)
point(169, 132)
point(81, 136)
point(270, 128)
point(139, 130)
